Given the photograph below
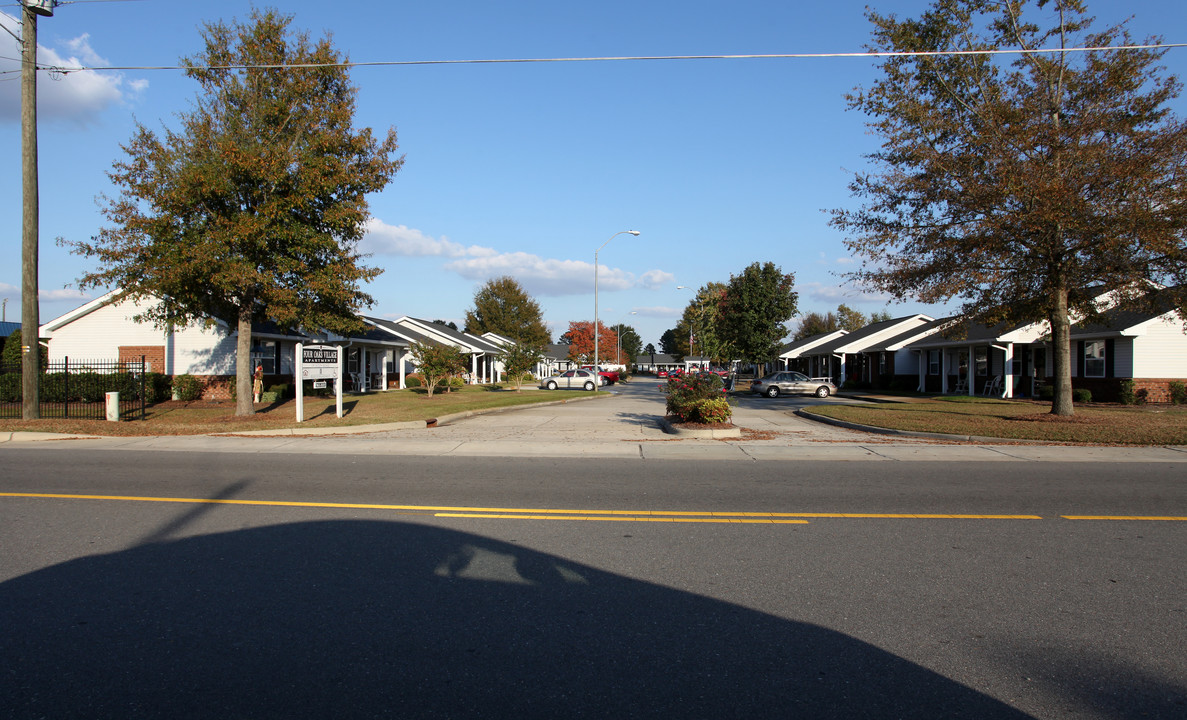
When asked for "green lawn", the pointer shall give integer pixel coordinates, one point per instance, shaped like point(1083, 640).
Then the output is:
point(199, 418)
point(1023, 420)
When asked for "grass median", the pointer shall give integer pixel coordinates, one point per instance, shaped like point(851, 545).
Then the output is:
point(1022, 420)
point(204, 418)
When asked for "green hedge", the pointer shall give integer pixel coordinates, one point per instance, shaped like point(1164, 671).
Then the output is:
point(86, 387)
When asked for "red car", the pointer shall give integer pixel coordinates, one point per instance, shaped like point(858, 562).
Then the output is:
point(661, 373)
point(611, 376)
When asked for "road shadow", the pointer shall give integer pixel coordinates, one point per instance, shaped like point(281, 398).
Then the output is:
point(365, 619)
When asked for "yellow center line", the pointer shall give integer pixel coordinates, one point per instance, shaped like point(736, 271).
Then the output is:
point(621, 518)
point(1170, 518)
point(553, 514)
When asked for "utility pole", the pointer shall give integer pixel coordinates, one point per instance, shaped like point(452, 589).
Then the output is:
point(30, 313)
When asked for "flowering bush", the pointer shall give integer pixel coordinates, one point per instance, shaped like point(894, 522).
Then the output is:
point(697, 399)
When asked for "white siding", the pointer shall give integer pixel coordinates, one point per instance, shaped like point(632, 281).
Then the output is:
point(1161, 351)
point(1123, 357)
point(100, 333)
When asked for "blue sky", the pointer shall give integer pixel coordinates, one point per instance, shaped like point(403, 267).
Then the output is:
point(521, 169)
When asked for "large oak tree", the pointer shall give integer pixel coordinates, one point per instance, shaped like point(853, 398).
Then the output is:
point(753, 310)
point(253, 208)
point(1022, 185)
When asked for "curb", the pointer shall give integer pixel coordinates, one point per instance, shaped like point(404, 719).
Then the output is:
point(710, 433)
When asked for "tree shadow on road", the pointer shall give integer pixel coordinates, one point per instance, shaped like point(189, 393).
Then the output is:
point(369, 619)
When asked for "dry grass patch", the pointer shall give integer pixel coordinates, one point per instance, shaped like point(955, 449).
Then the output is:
point(1023, 420)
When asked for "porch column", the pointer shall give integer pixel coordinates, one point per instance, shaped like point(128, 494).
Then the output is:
point(922, 367)
point(944, 371)
point(1008, 372)
point(403, 369)
point(970, 373)
point(841, 375)
point(386, 355)
point(473, 368)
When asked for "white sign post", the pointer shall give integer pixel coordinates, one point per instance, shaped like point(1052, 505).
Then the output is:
point(317, 362)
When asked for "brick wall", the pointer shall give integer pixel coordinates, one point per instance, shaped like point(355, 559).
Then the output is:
point(154, 355)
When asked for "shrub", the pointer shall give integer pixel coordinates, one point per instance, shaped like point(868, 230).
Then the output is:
point(1178, 392)
point(1046, 392)
point(685, 395)
point(187, 388)
point(1082, 395)
point(281, 390)
point(715, 410)
point(412, 381)
point(1126, 393)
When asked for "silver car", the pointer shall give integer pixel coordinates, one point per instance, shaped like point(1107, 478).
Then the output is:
point(571, 380)
point(790, 382)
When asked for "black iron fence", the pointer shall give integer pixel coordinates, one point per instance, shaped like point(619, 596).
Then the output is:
point(78, 389)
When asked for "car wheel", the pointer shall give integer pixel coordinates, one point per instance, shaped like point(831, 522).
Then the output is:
point(589, 385)
point(822, 391)
point(773, 391)
point(552, 385)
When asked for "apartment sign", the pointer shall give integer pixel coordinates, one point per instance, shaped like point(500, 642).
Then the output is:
point(319, 361)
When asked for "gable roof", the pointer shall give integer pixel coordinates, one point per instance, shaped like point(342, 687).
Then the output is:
point(897, 342)
point(866, 337)
point(797, 348)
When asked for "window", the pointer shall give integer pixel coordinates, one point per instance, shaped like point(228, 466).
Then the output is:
point(981, 361)
point(881, 363)
point(933, 362)
point(263, 352)
point(1094, 358)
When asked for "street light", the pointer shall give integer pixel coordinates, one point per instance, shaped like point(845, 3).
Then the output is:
point(618, 354)
point(700, 304)
point(595, 325)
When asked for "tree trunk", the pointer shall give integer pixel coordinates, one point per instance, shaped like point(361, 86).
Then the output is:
point(1061, 355)
point(243, 368)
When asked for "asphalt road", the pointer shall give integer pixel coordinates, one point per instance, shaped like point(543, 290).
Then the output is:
point(223, 584)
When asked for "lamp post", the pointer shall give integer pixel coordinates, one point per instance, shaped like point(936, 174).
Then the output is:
point(701, 307)
point(618, 354)
point(595, 325)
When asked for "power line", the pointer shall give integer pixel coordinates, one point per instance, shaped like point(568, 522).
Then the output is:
point(630, 58)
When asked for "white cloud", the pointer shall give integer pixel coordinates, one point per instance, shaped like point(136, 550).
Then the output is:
point(655, 279)
point(82, 46)
point(660, 311)
point(538, 275)
point(840, 293)
point(64, 294)
point(76, 97)
point(403, 241)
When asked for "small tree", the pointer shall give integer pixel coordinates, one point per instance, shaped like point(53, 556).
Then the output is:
point(437, 363)
point(581, 341)
point(520, 359)
point(815, 323)
point(850, 319)
point(502, 306)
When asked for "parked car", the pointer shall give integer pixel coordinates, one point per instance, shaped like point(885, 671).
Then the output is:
point(571, 380)
point(611, 376)
point(661, 373)
point(790, 382)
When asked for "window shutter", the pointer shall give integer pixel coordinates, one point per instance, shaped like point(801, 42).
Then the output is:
point(1109, 358)
point(1080, 358)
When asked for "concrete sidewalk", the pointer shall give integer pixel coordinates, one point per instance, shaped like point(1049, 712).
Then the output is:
point(625, 425)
